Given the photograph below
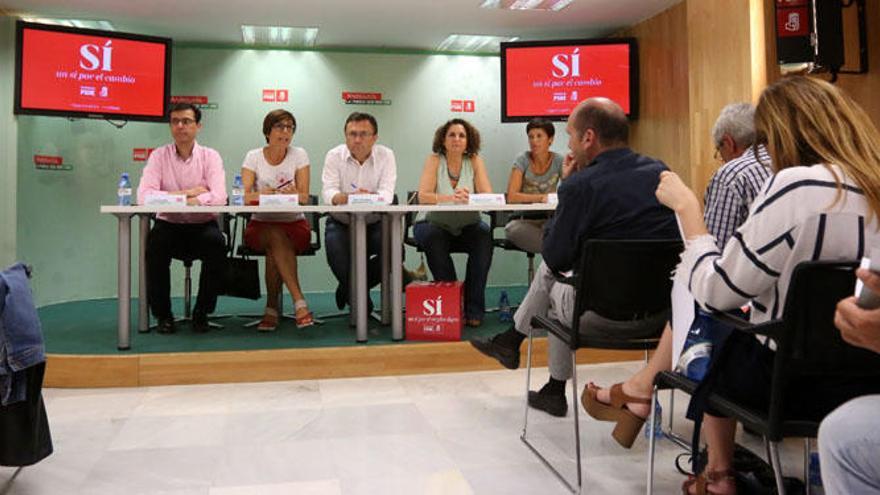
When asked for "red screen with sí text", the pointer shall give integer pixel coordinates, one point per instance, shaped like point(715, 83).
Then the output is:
point(71, 72)
point(552, 80)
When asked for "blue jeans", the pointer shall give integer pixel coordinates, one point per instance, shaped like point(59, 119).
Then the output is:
point(338, 249)
point(476, 241)
point(849, 439)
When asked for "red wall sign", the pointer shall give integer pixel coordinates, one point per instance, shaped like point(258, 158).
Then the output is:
point(462, 106)
point(195, 100)
point(48, 160)
point(141, 154)
point(357, 95)
point(276, 95)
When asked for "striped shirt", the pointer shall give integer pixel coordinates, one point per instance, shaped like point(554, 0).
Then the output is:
point(794, 218)
point(731, 191)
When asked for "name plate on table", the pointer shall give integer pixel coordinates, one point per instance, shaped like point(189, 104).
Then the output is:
point(552, 199)
point(490, 199)
point(279, 199)
point(160, 199)
point(365, 199)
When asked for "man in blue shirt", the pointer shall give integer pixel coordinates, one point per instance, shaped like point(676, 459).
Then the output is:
point(607, 192)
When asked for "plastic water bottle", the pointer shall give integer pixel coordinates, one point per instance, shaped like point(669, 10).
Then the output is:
point(815, 475)
point(123, 191)
point(237, 191)
point(658, 422)
point(504, 313)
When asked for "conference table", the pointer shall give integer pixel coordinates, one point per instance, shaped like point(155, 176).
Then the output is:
point(392, 256)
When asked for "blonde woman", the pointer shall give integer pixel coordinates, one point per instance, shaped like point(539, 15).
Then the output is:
point(822, 203)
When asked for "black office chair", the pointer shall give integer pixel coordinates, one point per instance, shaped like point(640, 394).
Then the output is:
point(500, 219)
point(619, 280)
point(314, 246)
point(807, 345)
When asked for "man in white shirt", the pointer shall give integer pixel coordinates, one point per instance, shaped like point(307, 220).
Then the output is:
point(357, 167)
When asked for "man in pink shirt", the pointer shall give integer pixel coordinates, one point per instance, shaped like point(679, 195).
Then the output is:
point(185, 167)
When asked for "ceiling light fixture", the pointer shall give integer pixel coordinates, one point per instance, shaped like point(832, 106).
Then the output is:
point(279, 35)
point(473, 43)
point(77, 23)
point(553, 5)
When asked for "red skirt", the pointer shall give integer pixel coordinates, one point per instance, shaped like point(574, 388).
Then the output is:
point(298, 232)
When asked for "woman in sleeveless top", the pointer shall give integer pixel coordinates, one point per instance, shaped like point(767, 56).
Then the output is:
point(535, 174)
point(278, 168)
point(450, 174)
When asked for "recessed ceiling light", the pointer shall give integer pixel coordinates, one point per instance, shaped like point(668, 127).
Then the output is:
point(473, 43)
point(279, 35)
point(77, 23)
point(554, 5)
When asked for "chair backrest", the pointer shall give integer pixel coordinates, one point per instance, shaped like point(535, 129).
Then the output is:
point(807, 343)
point(625, 279)
point(412, 198)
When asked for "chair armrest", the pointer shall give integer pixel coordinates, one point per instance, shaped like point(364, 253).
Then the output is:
point(553, 327)
point(767, 328)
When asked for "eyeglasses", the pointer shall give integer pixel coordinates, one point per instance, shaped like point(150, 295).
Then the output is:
point(358, 134)
point(283, 127)
point(717, 155)
point(185, 122)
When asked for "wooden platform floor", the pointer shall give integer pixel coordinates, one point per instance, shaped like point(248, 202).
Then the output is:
point(135, 370)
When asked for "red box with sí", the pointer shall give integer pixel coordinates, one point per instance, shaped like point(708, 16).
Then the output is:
point(434, 310)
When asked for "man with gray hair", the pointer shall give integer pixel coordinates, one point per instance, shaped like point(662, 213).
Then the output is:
point(745, 168)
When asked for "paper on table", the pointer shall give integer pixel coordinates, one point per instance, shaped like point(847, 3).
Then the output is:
point(682, 308)
point(493, 199)
point(279, 199)
point(365, 199)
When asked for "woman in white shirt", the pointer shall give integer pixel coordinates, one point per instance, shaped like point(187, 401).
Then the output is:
point(822, 204)
point(278, 168)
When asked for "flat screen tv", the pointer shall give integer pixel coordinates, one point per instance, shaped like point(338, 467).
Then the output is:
point(548, 78)
point(72, 72)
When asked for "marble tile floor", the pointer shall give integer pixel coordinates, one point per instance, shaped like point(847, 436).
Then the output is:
point(446, 434)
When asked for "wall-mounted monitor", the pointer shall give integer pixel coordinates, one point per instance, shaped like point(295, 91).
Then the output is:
point(85, 73)
point(549, 78)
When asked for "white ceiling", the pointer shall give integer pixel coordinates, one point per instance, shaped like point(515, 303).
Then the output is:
point(417, 24)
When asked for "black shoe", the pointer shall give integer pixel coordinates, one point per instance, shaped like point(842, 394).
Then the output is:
point(507, 356)
point(552, 404)
point(200, 322)
point(340, 297)
point(166, 325)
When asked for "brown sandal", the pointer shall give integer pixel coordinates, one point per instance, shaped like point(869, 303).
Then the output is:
point(702, 481)
point(628, 424)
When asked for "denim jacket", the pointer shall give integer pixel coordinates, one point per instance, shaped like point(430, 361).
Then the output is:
point(21, 337)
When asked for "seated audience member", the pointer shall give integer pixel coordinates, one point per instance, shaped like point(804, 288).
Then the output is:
point(185, 167)
point(278, 168)
point(849, 438)
point(822, 203)
point(607, 192)
point(451, 173)
point(535, 174)
point(731, 191)
point(358, 166)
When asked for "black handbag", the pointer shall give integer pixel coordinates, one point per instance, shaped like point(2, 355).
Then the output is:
point(241, 274)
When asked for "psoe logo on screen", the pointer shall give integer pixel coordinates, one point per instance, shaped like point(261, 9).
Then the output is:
point(567, 65)
point(94, 57)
